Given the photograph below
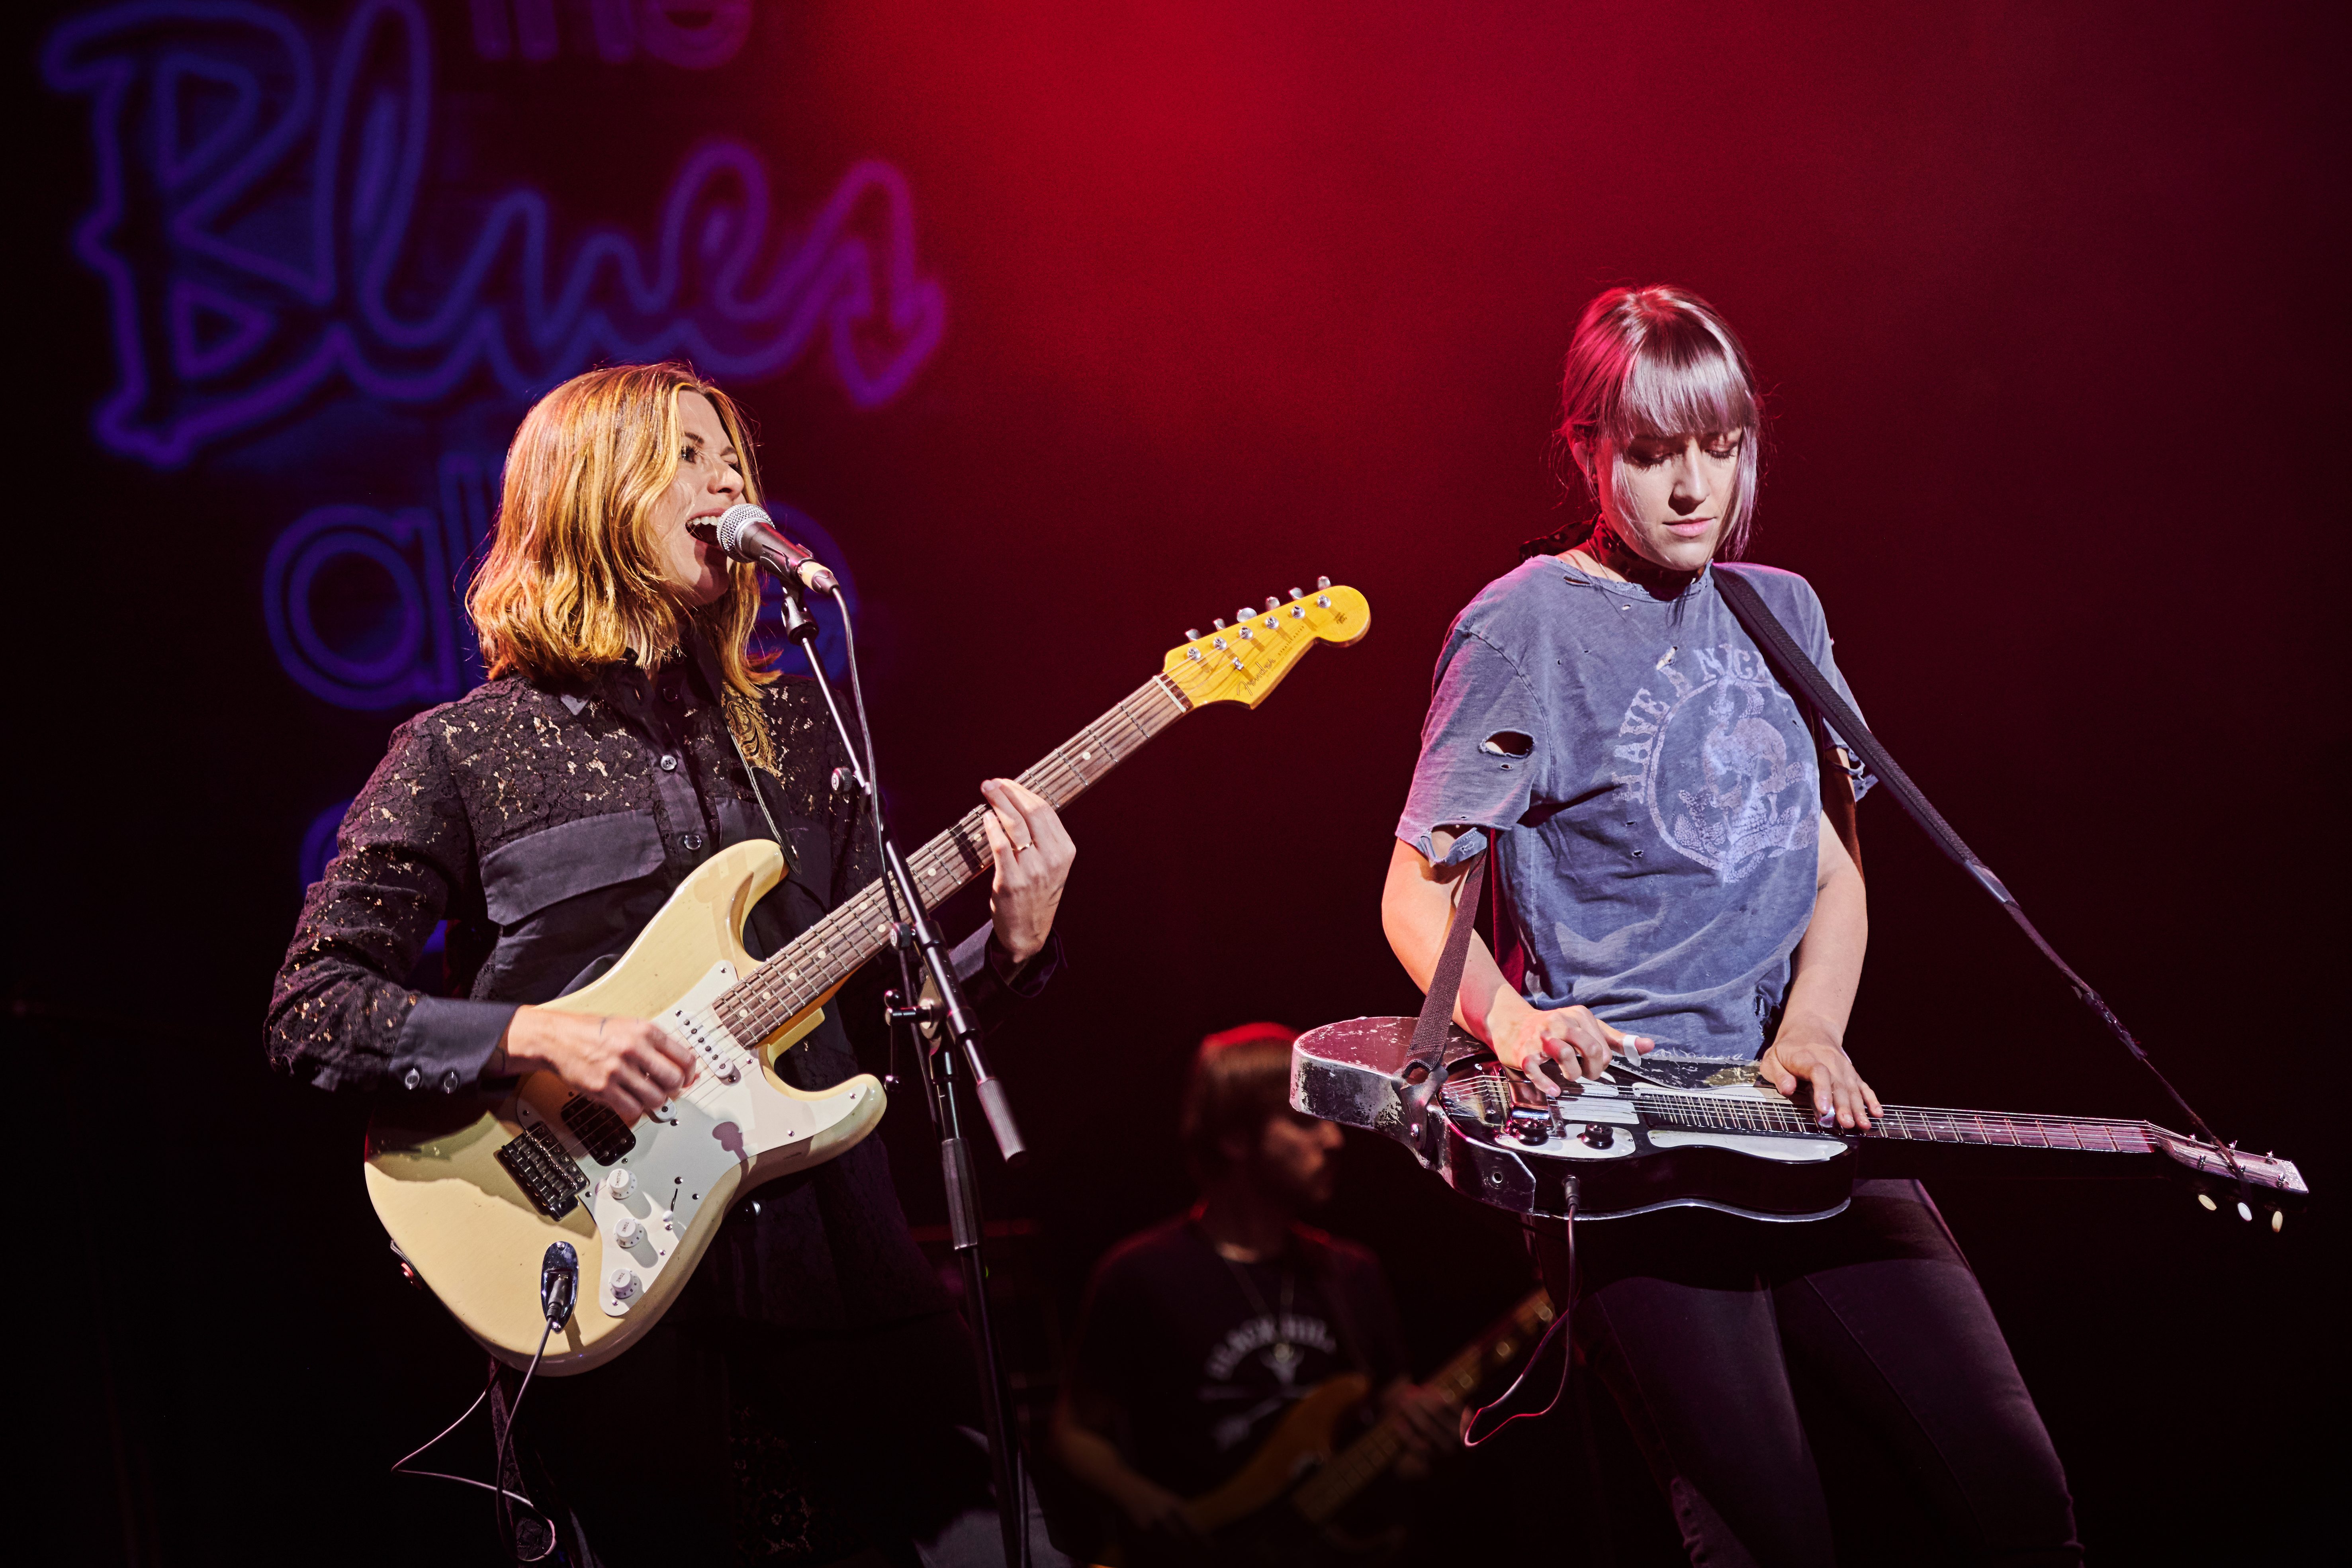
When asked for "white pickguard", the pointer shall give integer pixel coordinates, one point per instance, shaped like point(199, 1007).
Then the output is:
point(685, 1148)
point(1604, 1104)
point(1762, 1146)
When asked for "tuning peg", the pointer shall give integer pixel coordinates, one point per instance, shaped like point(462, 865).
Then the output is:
point(2207, 1199)
point(1191, 635)
point(1243, 614)
point(1297, 594)
point(1219, 623)
point(1322, 582)
point(1272, 603)
point(2278, 1221)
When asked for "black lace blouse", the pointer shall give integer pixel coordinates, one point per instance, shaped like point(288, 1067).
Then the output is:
point(545, 827)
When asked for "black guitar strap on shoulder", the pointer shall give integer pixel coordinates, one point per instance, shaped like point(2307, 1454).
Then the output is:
point(1428, 1054)
point(1790, 663)
point(1480, 1423)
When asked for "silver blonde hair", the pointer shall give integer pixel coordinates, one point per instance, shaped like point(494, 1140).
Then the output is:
point(1658, 361)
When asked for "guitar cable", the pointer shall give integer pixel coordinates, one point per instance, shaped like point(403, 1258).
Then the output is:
point(559, 1284)
point(1471, 1416)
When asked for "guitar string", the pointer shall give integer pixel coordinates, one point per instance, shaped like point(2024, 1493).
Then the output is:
point(1924, 1123)
point(764, 1011)
point(1372, 1454)
point(1065, 781)
point(1928, 1120)
point(1059, 776)
point(1063, 776)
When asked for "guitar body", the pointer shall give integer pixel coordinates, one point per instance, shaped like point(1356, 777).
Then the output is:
point(1606, 1163)
point(1679, 1134)
point(474, 1193)
point(473, 1196)
point(1300, 1443)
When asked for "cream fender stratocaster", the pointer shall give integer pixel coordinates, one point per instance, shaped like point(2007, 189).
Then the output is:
point(472, 1200)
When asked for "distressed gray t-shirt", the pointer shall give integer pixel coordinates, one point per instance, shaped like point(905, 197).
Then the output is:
point(1661, 787)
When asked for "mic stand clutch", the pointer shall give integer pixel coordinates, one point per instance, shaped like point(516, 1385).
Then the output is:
point(950, 1018)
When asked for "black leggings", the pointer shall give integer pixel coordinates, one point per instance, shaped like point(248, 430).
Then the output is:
point(1697, 1322)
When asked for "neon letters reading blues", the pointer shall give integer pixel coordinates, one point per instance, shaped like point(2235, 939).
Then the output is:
point(253, 227)
point(255, 219)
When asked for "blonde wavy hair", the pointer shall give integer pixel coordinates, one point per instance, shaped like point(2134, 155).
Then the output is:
point(573, 581)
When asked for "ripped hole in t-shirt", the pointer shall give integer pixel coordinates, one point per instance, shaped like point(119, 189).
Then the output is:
point(1507, 744)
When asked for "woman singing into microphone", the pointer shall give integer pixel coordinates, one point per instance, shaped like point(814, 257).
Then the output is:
point(809, 1395)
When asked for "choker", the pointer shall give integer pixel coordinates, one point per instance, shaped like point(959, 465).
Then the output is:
point(1660, 582)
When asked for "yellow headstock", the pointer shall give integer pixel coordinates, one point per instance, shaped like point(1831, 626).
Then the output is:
point(1242, 662)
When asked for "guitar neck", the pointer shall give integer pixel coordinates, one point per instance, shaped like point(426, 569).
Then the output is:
point(1367, 1459)
point(1903, 1123)
point(815, 963)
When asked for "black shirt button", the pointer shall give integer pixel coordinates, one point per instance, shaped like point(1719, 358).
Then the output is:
point(413, 1080)
point(449, 1081)
point(691, 840)
point(668, 763)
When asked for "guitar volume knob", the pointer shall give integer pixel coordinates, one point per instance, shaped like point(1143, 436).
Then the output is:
point(628, 1233)
point(1597, 1135)
point(620, 1182)
point(624, 1284)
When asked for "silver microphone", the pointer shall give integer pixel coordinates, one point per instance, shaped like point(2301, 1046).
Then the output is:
point(748, 533)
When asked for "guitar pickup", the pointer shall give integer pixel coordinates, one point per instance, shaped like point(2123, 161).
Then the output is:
point(599, 1130)
point(537, 1161)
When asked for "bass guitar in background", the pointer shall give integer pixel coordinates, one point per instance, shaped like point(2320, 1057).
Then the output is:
point(1308, 1495)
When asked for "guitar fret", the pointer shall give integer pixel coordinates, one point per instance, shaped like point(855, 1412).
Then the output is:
point(836, 946)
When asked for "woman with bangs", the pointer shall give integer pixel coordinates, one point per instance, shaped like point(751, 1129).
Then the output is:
point(812, 1392)
point(1668, 879)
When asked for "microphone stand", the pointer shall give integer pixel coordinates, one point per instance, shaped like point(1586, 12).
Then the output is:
point(917, 940)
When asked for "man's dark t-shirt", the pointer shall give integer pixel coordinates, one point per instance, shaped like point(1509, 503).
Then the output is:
point(1201, 1357)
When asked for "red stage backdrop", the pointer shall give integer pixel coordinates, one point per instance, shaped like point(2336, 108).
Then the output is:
point(1068, 327)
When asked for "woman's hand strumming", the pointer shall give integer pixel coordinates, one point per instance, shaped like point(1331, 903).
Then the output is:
point(624, 1064)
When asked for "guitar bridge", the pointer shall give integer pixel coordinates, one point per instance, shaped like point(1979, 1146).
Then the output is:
point(537, 1161)
point(600, 1129)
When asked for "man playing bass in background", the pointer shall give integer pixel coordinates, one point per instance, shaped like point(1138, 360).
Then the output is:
point(1200, 1334)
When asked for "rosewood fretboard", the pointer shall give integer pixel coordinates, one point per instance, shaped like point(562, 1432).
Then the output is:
point(816, 962)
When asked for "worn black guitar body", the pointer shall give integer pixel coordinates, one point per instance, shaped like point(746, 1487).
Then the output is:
point(1680, 1133)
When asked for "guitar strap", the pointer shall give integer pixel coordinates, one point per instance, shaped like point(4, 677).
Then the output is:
point(1790, 663)
point(1429, 1031)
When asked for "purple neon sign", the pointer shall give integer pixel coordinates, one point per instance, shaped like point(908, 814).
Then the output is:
point(266, 253)
point(255, 224)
